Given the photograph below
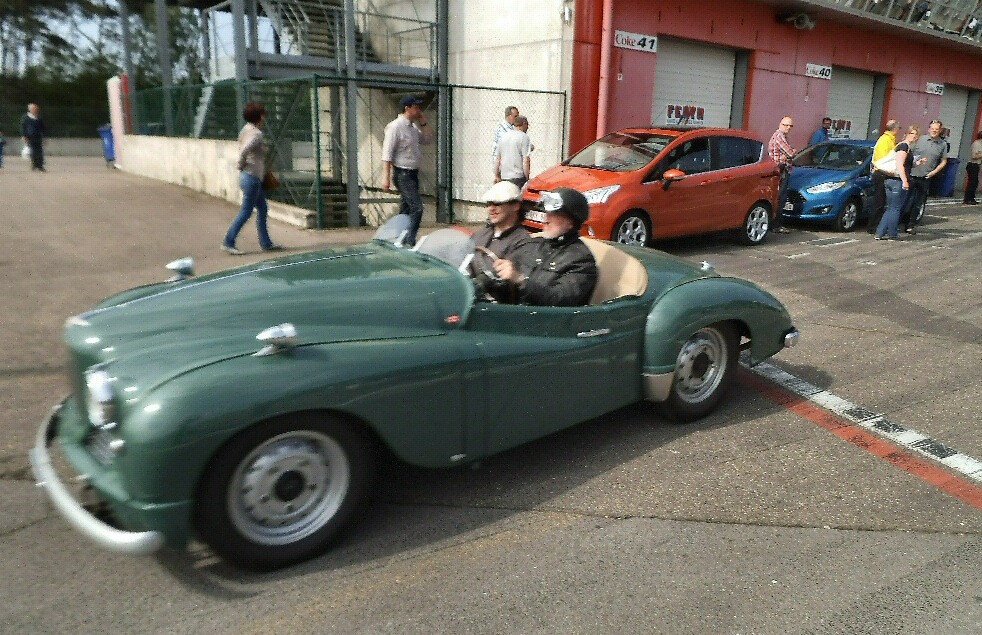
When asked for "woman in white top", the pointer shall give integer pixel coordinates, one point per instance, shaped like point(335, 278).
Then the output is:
point(252, 169)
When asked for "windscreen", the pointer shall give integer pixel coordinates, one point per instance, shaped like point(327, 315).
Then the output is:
point(451, 246)
point(833, 156)
point(621, 151)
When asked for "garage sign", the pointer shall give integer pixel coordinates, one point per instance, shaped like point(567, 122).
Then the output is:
point(819, 71)
point(934, 89)
point(635, 41)
point(687, 115)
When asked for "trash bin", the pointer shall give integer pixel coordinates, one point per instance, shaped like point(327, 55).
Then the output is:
point(944, 183)
point(108, 149)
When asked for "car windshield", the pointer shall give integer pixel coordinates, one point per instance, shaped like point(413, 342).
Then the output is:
point(452, 246)
point(833, 156)
point(621, 151)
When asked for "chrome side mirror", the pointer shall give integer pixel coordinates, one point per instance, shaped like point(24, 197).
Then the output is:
point(182, 267)
point(277, 339)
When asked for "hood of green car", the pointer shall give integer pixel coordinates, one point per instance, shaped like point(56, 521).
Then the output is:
point(372, 291)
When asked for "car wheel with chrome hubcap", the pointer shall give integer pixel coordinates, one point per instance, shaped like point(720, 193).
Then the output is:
point(703, 370)
point(279, 492)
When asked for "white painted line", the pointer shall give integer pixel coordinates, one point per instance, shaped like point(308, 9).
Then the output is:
point(842, 242)
point(801, 255)
point(876, 423)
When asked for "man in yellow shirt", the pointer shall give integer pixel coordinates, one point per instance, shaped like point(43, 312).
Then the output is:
point(884, 146)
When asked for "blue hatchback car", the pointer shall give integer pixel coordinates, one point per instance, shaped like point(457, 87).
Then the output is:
point(831, 183)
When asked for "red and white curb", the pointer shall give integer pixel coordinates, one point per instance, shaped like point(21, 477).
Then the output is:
point(873, 432)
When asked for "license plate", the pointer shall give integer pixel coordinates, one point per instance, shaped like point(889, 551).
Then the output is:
point(538, 217)
point(789, 207)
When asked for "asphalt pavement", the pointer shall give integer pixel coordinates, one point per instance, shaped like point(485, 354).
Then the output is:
point(776, 514)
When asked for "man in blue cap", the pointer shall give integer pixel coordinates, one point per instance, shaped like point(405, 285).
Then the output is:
point(401, 156)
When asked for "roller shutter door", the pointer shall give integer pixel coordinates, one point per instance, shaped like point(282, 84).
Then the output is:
point(954, 103)
point(850, 100)
point(693, 76)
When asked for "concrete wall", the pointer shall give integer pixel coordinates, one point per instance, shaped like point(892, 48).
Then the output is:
point(63, 147)
point(204, 165)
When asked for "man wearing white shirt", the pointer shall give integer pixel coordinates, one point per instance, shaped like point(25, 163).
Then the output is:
point(401, 156)
point(504, 126)
point(513, 162)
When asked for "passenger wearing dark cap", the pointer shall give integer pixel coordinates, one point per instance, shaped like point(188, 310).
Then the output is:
point(558, 268)
point(504, 237)
point(401, 155)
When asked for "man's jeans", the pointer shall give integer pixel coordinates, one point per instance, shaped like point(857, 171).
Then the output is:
point(782, 196)
point(252, 197)
point(407, 182)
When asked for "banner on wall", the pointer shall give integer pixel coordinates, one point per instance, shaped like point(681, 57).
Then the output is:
point(841, 129)
point(687, 115)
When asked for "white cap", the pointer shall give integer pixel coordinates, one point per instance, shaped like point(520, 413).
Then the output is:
point(502, 192)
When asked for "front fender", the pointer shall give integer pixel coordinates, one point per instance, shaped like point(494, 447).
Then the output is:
point(684, 309)
point(411, 393)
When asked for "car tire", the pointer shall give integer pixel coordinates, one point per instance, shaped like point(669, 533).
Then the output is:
point(756, 225)
point(634, 228)
point(281, 491)
point(846, 221)
point(704, 369)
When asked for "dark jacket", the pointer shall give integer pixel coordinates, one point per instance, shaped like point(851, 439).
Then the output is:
point(32, 129)
point(509, 246)
point(561, 272)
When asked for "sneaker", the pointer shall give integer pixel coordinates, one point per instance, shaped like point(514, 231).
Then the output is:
point(233, 250)
point(911, 230)
point(878, 237)
point(273, 247)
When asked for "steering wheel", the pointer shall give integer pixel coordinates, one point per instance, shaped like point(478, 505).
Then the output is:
point(489, 257)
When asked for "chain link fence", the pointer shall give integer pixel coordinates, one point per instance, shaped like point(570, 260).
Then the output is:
point(306, 132)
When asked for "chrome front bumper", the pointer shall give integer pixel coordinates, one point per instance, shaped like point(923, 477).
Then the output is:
point(126, 542)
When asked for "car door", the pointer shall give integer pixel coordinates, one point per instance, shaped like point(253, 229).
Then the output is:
point(744, 180)
point(550, 367)
point(684, 206)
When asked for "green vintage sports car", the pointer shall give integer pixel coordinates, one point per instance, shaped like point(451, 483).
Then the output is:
point(180, 423)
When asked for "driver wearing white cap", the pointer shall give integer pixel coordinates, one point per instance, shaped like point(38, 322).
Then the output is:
point(503, 238)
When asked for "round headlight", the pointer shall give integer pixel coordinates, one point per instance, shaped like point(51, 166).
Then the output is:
point(100, 399)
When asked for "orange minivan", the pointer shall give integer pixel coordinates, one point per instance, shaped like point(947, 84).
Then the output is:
point(649, 183)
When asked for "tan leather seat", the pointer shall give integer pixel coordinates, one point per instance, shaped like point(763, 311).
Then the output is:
point(621, 275)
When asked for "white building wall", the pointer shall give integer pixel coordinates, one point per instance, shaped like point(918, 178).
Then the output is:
point(513, 44)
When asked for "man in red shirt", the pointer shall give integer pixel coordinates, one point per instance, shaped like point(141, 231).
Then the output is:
point(782, 153)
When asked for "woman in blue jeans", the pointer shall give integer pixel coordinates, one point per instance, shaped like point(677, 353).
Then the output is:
point(897, 187)
point(252, 169)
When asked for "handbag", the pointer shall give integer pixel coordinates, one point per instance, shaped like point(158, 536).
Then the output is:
point(888, 164)
point(270, 182)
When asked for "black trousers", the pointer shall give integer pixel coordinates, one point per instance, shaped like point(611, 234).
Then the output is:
point(915, 198)
point(37, 153)
point(972, 184)
point(879, 202)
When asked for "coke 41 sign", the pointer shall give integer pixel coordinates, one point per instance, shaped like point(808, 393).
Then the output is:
point(635, 41)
